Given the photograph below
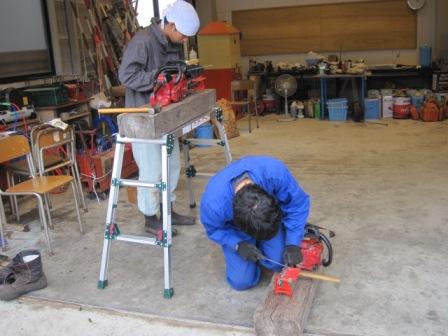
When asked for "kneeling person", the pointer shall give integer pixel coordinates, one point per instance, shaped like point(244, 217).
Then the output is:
point(252, 208)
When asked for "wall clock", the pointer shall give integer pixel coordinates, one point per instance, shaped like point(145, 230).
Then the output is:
point(416, 4)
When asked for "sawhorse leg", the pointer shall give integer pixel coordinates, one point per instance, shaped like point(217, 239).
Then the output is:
point(168, 291)
point(111, 229)
point(217, 120)
point(190, 172)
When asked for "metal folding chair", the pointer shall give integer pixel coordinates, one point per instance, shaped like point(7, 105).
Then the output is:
point(20, 167)
point(14, 147)
point(52, 138)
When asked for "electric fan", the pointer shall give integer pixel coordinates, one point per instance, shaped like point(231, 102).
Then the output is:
point(285, 86)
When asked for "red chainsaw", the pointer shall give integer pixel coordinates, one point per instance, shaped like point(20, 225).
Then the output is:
point(174, 80)
point(312, 247)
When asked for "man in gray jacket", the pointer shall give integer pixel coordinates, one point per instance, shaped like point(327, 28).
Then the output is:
point(148, 50)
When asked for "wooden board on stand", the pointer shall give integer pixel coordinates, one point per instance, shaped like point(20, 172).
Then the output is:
point(147, 126)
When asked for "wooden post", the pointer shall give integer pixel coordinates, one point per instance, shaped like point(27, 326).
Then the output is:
point(284, 315)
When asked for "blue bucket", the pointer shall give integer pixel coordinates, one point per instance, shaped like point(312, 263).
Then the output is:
point(204, 131)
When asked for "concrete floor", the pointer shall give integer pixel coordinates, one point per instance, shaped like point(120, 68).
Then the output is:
point(383, 189)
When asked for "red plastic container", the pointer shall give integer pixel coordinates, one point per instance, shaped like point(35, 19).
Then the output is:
point(402, 107)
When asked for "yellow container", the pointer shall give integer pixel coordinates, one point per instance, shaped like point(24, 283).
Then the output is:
point(219, 46)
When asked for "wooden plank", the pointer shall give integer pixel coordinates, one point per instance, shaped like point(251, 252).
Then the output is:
point(283, 315)
point(146, 126)
point(371, 25)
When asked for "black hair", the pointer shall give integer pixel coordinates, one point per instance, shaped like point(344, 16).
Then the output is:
point(256, 212)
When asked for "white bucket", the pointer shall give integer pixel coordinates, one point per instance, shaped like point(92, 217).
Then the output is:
point(387, 106)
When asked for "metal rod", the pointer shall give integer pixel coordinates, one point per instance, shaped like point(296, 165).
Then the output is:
point(135, 140)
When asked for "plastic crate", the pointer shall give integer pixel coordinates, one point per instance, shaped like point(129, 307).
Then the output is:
point(372, 108)
point(337, 109)
point(49, 95)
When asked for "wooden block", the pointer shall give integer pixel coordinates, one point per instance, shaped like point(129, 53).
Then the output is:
point(284, 315)
point(170, 119)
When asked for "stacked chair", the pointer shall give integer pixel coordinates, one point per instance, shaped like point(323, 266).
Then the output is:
point(243, 94)
point(40, 184)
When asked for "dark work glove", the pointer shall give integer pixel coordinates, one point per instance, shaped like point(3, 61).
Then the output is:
point(292, 255)
point(249, 251)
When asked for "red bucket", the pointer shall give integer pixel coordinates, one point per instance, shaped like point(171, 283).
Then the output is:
point(402, 107)
point(269, 103)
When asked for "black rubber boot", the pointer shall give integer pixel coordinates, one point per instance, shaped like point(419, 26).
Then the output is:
point(7, 274)
point(154, 226)
point(22, 275)
point(178, 219)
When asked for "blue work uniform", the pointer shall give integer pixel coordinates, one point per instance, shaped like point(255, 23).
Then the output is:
point(217, 215)
point(148, 50)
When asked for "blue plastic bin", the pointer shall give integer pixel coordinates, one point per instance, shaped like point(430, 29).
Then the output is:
point(337, 109)
point(204, 131)
point(371, 108)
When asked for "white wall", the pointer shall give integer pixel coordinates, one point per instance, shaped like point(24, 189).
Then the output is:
point(426, 19)
point(206, 10)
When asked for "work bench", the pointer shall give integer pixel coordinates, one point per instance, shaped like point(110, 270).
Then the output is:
point(312, 85)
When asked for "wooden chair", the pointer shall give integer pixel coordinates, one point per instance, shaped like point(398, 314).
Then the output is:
point(20, 167)
point(14, 147)
point(52, 138)
point(245, 88)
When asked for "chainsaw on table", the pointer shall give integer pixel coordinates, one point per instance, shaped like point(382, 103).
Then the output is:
point(313, 246)
point(174, 80)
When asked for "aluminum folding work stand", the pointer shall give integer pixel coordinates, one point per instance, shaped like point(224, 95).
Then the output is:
point(190, 170)
point(112, 231)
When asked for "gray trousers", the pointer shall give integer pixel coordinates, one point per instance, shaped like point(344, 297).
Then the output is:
point(149, 161)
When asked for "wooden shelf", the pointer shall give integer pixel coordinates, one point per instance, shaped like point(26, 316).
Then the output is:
point(71, 103)
point(21, 123)
point(48, 113)
point(76, 115)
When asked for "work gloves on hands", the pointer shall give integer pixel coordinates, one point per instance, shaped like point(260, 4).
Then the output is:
point(292, 255)
point(249, 251)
